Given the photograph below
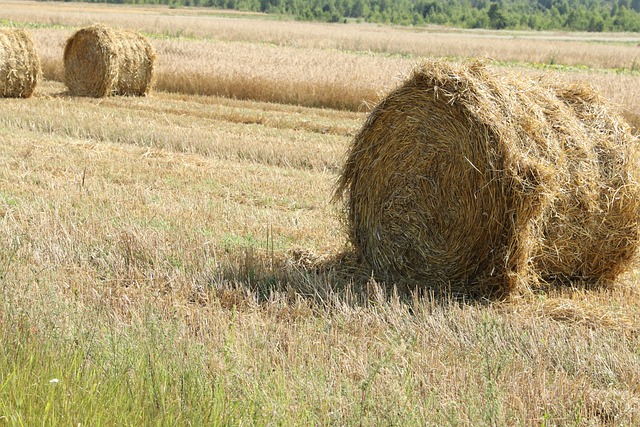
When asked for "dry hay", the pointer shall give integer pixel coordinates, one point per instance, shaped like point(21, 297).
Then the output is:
point(101, 61)
point(486, 183)
point(19, 64)
point(586, 313)
point(612, 407)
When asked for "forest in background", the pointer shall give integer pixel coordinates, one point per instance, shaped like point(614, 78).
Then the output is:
point(570, 15)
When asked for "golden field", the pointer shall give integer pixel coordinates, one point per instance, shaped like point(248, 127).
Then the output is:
point(165, 258)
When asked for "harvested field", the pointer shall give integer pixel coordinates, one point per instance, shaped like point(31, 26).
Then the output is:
point(176, 259)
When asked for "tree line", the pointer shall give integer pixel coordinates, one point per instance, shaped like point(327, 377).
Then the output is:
point(571, 15)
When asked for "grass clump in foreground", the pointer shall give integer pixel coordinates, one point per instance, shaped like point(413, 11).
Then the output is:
point(92, 374)
point(226, 355)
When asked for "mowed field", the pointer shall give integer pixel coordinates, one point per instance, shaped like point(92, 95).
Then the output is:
point(177, 259)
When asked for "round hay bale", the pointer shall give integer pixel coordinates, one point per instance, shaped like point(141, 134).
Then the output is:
point(101, 61)
point(485, 183)
point(19, 64)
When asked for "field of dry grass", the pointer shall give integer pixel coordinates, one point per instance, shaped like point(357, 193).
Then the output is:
point(173, 259)
point(323, 65)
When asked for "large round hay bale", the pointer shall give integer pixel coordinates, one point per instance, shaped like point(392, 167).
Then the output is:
point(485, 183)
point(19, 64)
point(101, 61)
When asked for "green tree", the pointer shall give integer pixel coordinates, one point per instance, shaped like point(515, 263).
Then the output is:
point(496, 17)
point(596, 24)
point(580, 15)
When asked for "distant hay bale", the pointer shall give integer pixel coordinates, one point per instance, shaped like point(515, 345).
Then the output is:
point(19, 64)
point(101, 61)
point(489, 183)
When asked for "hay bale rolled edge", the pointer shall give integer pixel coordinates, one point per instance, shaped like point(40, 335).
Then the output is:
point(467, 179)
point(20, 70)
point(101, 61)
point(599, 234)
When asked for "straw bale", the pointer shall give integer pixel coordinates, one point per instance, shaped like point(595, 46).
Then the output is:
point(486, 183)
point(19, 64)
point(101, 61)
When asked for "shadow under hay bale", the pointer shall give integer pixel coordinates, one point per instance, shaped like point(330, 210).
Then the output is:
point(101, 61)
point(489, 183)
point(19, 64)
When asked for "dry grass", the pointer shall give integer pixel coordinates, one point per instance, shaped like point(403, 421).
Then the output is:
point(309, 63)
point(590, 49)
point(192, 264)
point(193, 187)
point(254, 71)
point(305, 76)
point(212, 127)
point(106, 225)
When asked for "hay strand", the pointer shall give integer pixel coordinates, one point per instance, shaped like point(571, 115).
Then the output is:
point(488, 183)
point(19, 64)
point(101, 61)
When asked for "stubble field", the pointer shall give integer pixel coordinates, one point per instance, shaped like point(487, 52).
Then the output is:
point(175, 259)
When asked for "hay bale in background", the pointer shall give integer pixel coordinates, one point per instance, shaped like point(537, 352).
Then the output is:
point(101, 61)
point(486, 183)
point(19, 64)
